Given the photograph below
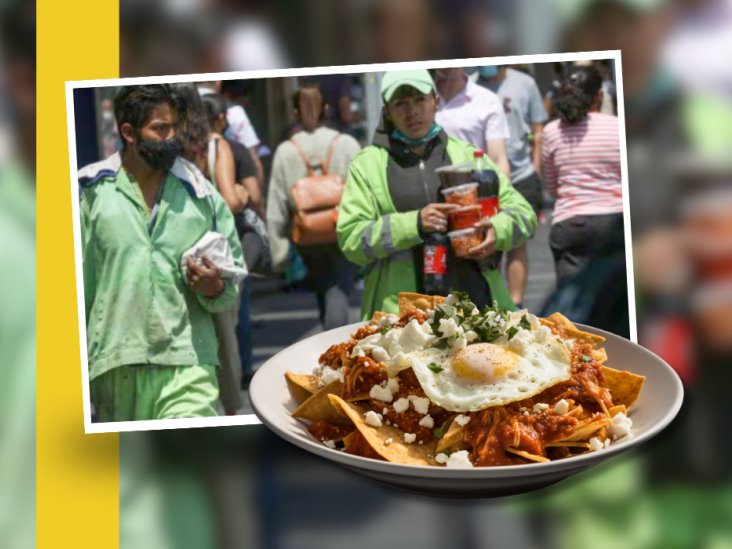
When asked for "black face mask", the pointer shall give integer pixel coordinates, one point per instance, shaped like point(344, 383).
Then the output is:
point(160, 155)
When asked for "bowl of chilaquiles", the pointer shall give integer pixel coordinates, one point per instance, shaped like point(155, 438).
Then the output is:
point(443, 386)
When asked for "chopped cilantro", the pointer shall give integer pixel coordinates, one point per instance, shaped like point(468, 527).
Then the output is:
point(524, 323)
point(512, 331)
point(435, 368)
point(385, 329)
point(585, 358)
point(440, 431)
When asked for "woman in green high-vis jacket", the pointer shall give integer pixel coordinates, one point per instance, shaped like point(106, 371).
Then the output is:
point(389, 203)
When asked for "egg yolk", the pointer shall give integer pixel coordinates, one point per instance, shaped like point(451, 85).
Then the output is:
point(483, 362)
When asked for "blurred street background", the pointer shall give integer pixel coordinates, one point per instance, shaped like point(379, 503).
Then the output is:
point(243, 487)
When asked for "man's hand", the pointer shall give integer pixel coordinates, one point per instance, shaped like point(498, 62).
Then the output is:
point(434, 216)
point(205, 279)
point(488, 246)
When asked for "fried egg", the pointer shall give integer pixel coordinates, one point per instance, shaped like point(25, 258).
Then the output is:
point(481, 375)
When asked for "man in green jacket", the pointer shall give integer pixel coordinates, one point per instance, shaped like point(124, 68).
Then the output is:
point(151, 345)
point(390, 203)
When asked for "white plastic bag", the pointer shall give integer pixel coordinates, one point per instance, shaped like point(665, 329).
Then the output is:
point(216, 248)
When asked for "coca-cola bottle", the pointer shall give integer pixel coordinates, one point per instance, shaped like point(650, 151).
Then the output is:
point(487, 180)
point(434, 264)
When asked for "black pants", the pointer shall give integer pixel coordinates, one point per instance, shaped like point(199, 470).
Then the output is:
point(331, 276)
point(576, 240)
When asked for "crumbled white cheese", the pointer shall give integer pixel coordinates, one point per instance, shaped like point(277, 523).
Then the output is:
point(388, 441)
point(317, 371)
point(361, 353)
point(448, 327)
point(540, 406)
point(523, 409)
point(542, 334)
point(422, 405)
point(388, 320)
point(471, 336)
point(401, 405)
point(441, 458)
point(620, 426)
point(329, 375)
point(380, 354)
point(475, 311)
point(426, 328)
point(381, 393)
point(520, 342)
point(384, 411)
point(561, 407)
point(413, 337)
point(451, 300)
point(373, 419)
point(462, 420)
point(409, 438)
point(330, 444)
point(392, 384)
point(459, 460)
point(459, 343)
point(534, 321)
point(427, 421)
point(596, 444)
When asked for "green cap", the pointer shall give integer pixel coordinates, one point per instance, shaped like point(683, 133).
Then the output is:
point(393, 80)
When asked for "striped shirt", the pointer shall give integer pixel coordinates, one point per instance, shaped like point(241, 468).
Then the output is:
point(582, 166)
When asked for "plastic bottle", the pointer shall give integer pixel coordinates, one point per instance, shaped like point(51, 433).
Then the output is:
point(434, 264)
point(487, 180)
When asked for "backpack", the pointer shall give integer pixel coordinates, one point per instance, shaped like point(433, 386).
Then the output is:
point(316, 199)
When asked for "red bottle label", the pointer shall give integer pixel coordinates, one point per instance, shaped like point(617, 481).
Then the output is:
point(489, 206)
point(435, 260)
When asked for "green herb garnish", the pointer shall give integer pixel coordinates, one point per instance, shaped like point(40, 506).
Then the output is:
point(585, 358)
point(524, 323)
point(435, 368)
point(385, 329)
point(512, 331)
point(440, 431)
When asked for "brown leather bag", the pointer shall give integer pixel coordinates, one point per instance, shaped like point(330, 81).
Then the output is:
point(316, 199)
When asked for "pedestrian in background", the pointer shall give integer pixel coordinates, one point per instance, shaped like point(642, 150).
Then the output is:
point(314, 149)
point(581, 166)
point(524, 109)
point(390, 203)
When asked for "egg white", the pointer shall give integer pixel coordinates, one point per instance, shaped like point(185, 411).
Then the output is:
point(490, 374)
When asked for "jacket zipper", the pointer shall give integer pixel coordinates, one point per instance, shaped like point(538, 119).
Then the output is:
point(424, 182)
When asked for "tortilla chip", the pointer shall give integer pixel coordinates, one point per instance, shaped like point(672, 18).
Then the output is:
point(584, 431)
point(565, 444)
point(620, 408)
point(452, 439)
point(410, 302)
point(378, 315)
point(301, 386)
point(526, 455)
point(563, 327)
point(394, 450)
point(624, 386)
point(599, 355)
point(318, 407)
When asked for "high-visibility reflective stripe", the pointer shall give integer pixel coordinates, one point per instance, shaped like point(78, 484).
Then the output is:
point(368, 250)
point(386, 237)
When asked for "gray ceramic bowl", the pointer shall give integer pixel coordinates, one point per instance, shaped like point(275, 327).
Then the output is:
point(657, 405)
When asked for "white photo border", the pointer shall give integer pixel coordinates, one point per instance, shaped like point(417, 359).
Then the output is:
point(252, 419)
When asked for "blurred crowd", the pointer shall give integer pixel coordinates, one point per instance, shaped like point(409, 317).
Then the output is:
point(675, 492)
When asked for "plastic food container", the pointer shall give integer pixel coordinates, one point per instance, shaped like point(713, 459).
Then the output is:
point(457, 174)
point(463, 195)
point(465, 239)
point(464, 218)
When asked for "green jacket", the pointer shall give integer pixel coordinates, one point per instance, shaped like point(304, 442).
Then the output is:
point(139, 309)
point(372, 233)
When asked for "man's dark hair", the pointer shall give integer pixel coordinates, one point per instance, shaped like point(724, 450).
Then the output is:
point(214, 105)
point(134, 104)
point(576, 92)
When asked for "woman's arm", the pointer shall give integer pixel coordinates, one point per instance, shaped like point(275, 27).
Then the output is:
point(225, 177)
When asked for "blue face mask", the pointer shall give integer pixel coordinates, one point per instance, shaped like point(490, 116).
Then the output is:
point(489, 71)
point(418, 142)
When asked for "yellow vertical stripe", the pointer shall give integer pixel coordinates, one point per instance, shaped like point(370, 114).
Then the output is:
point(77, 474)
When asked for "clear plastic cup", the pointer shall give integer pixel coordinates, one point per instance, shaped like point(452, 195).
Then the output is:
point(456, 174)
point(465, 239)
point(464, 217)
point(462, 195)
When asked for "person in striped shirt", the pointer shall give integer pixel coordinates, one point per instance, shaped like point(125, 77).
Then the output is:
point(581, 166)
